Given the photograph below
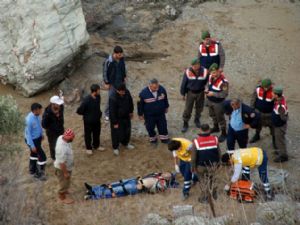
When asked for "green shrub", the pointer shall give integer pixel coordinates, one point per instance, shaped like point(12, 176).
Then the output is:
point(11, 122)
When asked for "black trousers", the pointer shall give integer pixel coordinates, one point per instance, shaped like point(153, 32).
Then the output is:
point(38, 159)
point(121, 134)
point(52, 138)
point(92, 135)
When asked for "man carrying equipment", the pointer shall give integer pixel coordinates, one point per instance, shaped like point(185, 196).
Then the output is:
point(192, 90)
point(248, 157)
point(181, 149)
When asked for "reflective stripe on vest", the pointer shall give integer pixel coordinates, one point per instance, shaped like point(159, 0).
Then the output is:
point(213, 49)
point(191, 76)
point(282, 104)
point(206, 143)
point(216, 84)
point(260, 94)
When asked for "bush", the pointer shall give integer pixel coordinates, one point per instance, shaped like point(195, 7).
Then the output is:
point(11, 123)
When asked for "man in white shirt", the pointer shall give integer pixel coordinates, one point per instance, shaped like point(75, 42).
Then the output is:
point(64, 164)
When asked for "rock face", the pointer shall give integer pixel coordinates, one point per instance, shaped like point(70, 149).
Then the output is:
point(39, 39)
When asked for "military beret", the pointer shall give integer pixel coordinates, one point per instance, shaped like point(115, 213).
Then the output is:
point(213, 67)
point(278, 90)
point(195, 61)
point(205, 34)
point(266, 83)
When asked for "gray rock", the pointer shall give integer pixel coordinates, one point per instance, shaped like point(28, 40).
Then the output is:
point(155, 219)
point(277, 177)
point(182, 210)
point(198, 220)
point(39, 39)
point(279, 213)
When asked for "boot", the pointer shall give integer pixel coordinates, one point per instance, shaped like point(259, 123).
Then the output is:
point(281, 158)
point(274, 143)
point(269, 196)
point(255, 138)
point(185, 127)
point(40, 174)
point(65, 199)
point(223, 135)
point(215, 129)
point(197, 122)
point(32, 166)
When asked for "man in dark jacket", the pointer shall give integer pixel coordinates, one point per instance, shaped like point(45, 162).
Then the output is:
point(53, 122)
point(114, 74)
point(121, 112)
point(90, 110)
point(192, 89)
point(242, 117)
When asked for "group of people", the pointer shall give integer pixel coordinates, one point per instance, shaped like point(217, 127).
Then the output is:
point(204, 79)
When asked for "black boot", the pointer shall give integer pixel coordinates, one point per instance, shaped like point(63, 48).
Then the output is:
point(185, 127)
point(274, 143)
point(40, 174)
point(197, 122)
point(223, 135)
point(255, 138)
point(215, 129)
point(281, 158)
point(32, 166)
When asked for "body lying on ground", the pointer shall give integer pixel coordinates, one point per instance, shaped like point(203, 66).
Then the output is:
point(152, 183)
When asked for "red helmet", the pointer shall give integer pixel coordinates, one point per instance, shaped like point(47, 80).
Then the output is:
point(69, 134)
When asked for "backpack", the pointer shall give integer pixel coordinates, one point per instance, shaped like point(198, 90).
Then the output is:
point(243, 191)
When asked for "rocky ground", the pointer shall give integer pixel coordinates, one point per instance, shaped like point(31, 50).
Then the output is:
point(160, 37)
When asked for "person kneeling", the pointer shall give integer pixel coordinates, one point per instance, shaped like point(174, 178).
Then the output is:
point(242, 159)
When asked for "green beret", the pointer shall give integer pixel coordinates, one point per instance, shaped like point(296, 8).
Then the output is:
point(265, 83)
point(278, 90)
point(195, 61)
point(205, 34)
point(214, 67)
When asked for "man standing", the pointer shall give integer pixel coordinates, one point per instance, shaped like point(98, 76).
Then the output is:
point(216, 93)
point(211, 51)
point(242, 117)
point(121, 112)
point(262, 100)
point(152, 107)
point(114, 74)
point(279, 119)
point(33, 138)
point(181, 149)
point(205, 159)
point(192, 90)
point(64, 164)
point(90, 110)
point(248, 158)
point(53, 122)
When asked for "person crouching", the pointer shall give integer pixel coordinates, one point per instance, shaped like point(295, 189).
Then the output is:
point(64, 164)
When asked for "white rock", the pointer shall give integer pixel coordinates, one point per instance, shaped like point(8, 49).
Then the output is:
point(182, 210)
point(38, 39)
point(155, 219)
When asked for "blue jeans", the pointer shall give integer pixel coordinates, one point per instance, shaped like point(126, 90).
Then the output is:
point(185, 170)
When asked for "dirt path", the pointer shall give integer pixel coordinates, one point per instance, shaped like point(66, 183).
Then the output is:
point(260, 39)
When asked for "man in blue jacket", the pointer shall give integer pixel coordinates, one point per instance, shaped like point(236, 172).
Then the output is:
point(33, 138)
point(152, 107)
point(192, 89)
point(242, 117)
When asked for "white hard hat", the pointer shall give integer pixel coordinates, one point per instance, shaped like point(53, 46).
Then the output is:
point(56, 100)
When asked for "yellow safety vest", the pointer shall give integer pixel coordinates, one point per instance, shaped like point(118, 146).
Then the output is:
point(183, 153)
point(248, 156)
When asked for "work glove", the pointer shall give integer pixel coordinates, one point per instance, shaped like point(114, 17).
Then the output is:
point(177, 169)
point(226, 188)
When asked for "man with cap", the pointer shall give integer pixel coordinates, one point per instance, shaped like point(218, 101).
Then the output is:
point(216, 93)
point(192, 89)
point(33, 138)
point(64, 164)
point(279, 119)
point(53, 122)
point(153, 105)
point(205, 160)
point(211, 51)
point(262, 101)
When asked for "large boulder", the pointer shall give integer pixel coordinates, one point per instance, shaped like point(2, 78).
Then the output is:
point(39, 39)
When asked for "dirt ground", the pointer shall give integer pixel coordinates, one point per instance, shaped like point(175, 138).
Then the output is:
point(260, 39)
